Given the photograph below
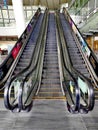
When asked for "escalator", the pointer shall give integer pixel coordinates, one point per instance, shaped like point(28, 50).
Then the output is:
point(89, 60)
point(23, 48)
point(75, 55)
point(26, 56)
point(10, 61)
point(43, 76)
point(76, 84)
point(50, 87)
point(25, 71)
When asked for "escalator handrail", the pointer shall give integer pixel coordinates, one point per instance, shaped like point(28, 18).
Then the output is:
point(22, 75)
point(87, 81)
point(24, 36)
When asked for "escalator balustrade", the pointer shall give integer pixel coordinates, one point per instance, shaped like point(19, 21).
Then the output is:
point(88, 55)
point(23, 63)
point(10, 62)
point(80, 72)
point(7, 65)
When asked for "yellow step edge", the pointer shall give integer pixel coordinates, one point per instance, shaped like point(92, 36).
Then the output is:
point(50, 92)
point(50, 97)
point(51, 88)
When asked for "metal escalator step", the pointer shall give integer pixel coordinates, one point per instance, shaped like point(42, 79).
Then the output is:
point(24, 60)
point(51, 86)
point(79, 66)
point(49, 58)
point(46, 61)
point(51, 62)
point(20, 68)
point(23, 64)
point(48, 49)
point(30, 45)
point(51, 48)
point(73, 48)
point(50, 67)
point(25, 56)
point(28, 50)
point(53, 75)
point(48, 89)
point(50, 81)
point(50, 98)
point(77, 61)
point(49, 76)
point(74, 52)
point(51, 54)
point(50, 71)
point(75, 55)
point(48, 45)
point(52, 94)
point(83, 71)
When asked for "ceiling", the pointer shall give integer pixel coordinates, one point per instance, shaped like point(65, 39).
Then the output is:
point(51, 4)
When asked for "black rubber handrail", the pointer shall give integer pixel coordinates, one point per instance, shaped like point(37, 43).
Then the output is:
point(7, 65)
point(22, 77)
point(90, 102)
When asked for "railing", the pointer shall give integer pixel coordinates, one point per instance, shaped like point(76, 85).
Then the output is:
point(78, 89)
point(26, 83)
point(7, 66)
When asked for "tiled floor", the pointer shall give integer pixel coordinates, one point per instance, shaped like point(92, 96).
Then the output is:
point(48, 115)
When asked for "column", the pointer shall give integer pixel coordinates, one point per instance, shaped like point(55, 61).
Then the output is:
point(19, 16)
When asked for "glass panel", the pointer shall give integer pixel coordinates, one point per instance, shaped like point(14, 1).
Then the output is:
point(11, 14)
point(83, 92)
point(0, 14)
point(5, 13)
point(29, 14)
point(91, 5)
point(96, 3)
